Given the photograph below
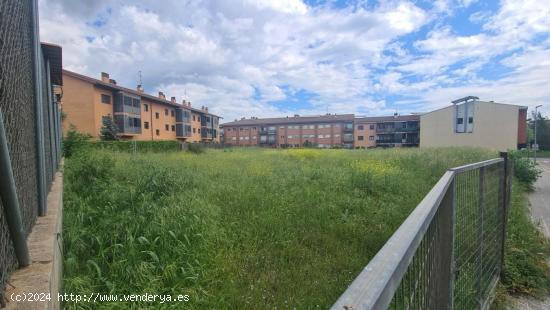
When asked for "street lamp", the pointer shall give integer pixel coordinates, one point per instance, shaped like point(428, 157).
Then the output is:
point(536, 145)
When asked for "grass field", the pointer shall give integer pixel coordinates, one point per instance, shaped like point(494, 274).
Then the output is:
point(246, 228)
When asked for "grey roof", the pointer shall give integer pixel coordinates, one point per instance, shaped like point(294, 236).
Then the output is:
point(291, 120)
point(54, 54)
point(398, 118)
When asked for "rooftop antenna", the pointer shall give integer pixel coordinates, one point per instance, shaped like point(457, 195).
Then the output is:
point(140, 83)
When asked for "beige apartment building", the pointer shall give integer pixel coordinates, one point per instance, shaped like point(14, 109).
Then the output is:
point(87, 102)
point(323, 131)
point(470, 122)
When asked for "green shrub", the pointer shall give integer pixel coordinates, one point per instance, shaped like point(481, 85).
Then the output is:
point(74, 141)
point(196, 148)
point(525, 170)
point(525, 267)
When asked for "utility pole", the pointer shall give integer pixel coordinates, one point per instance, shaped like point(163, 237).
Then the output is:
point(536, 145)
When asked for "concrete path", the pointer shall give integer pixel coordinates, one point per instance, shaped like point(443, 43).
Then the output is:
point(539, 201)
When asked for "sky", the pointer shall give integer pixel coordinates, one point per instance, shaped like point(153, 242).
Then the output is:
point(266, 58)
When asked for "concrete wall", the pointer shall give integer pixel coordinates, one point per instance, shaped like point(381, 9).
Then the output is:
point(44, 274)
point(495, 127)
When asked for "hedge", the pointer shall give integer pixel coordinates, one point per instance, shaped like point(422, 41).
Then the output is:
point(139, 146)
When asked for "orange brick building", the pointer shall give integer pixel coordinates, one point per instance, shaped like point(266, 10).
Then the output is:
point(87, 102)
point(322, 131)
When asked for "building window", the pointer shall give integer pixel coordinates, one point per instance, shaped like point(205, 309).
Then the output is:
point(167, 127)
point(253, 128)
point(459, 121)
point(193, 118)
point(371, 127)
point(166, 112)
point(404, 125)
point(146, 107)
point(194, 130)
point(470, 120)
point(371, 138)
point(157, 132)
point(173, 128)
point(157, 115)
point(360, 138)
point(241, 129)
point(228, 129)
point(105, 99)
point(146, 125)
point(360, 127)
point(199, 130)
point(172, 113)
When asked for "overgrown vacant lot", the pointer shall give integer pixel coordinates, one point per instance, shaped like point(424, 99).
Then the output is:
point(246, 228)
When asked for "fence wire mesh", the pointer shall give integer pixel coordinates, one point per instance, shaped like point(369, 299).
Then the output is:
point(18, 104)
point(478, 235)
point(456, 259)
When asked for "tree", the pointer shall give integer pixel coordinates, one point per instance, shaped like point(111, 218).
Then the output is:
point(109, 130)
point(543, 131)
point(74, 141)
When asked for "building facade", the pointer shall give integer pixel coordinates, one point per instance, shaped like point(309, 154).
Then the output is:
point(387, 131)
point(323, 131)
point(475, 123)
point(88, 103)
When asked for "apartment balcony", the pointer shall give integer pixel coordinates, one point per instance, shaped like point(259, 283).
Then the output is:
point(127, 125)
point(183, 131)
point(206, 135)
point(347, 138)
point(183, 116)
point(348, 128)
point(385, 130)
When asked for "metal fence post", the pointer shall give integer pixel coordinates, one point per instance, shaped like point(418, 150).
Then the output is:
point(444, 300)
point(505, 198)
point(38, 101)
point(480, 232)
point(8, 192)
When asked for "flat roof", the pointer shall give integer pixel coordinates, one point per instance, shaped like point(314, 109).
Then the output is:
point(521, 107)
point(291, 120)
point(133, 91)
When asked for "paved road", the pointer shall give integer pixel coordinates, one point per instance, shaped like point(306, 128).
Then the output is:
point(539, 201)
point(540, 198)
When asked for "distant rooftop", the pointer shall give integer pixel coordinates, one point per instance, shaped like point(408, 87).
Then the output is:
point(296, 119)
point(399, 118)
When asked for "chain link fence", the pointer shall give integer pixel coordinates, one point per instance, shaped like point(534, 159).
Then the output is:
point(449, 252)
point(31, 115)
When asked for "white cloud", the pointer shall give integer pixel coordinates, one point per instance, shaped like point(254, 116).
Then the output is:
point(220, 53)
point(238, 57)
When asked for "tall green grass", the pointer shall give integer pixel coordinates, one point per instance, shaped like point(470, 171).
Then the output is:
point(241, 228)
